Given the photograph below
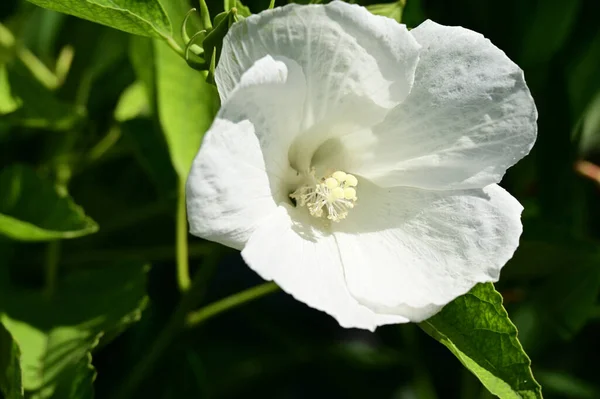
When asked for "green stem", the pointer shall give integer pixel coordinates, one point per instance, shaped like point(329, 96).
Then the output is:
point(51, 268)
point(233, 301)
point(172, 328)
point(183, 267)
point(37, 68)
point(173, 44)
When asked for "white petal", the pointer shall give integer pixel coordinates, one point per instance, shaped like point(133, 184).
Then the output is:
point(237, 178)
point(468, 118)
point(344, 52)
point(419, 249)
point(306, 264)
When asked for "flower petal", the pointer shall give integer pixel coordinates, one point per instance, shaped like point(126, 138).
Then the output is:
point(468, 118)
point(342, 49)
point(236, 179)
point(408, 247)
point(306, 264)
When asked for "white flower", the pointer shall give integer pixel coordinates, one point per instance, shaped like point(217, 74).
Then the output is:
point(355, 163)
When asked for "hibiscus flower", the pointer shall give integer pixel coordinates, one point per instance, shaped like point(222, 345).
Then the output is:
point(355, 163)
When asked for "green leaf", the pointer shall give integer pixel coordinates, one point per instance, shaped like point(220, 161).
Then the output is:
point(186, 106)
point(25, 102)
point(567, 299)
point(32, 210)
point(582, 72)
point(57, 334)
point(10, 367)
point(151, 152)
point(140, 17)
point(539, 43)
point(477, 330)
point(390, 10)
point(132, 103)
point(8, 101)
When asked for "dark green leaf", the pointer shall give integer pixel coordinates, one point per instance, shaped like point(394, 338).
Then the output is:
point(541, 43)
point(566, 300)
point(186, 104)
point(57, 334)
point(27, 103)
point(140, 17)
point(32, 210)
point(10, 366)
point(477, 330)
point(151, 152)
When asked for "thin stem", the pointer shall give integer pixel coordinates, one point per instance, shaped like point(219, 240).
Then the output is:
point(38, 69)
point(233, 301)
point(51, 267)
point(173, 44)
point(183, 269)
point(172, 328)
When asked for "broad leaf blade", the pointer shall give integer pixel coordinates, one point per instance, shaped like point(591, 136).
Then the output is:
point(10, 367)
point(140, 17)
point(477, 330)
point(32, 210)
point(186, 105)
point(56, 335)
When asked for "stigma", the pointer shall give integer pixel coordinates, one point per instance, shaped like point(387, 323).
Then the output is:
point(331, 196)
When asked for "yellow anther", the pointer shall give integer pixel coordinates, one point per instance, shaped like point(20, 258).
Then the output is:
point(349, 193)
point(337, 193)
point(339, 176)
point(331, 197)
point(350, 180)
point(331, 183)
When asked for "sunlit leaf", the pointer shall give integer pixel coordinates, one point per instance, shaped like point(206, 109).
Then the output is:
point(186, 106)
point(57, 334)
point(10, 366)
point(133, 102)
point(140, 17)
point(390, 10)
point(476, 329)
point(32, 210)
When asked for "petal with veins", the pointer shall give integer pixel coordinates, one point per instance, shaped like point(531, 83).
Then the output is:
point(468, 118)
point(417, 249)
point(237, 177)
point(305, 263)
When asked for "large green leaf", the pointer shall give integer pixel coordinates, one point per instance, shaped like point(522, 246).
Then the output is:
point(140, 17)
point(57, 334)
point(10, 366)
point(32, 210)
point(186, 106)
point(477, 330)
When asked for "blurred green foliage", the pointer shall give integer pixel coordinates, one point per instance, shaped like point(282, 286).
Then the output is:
point(98, 128)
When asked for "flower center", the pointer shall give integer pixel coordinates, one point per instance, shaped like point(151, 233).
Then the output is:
point(330, 196)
